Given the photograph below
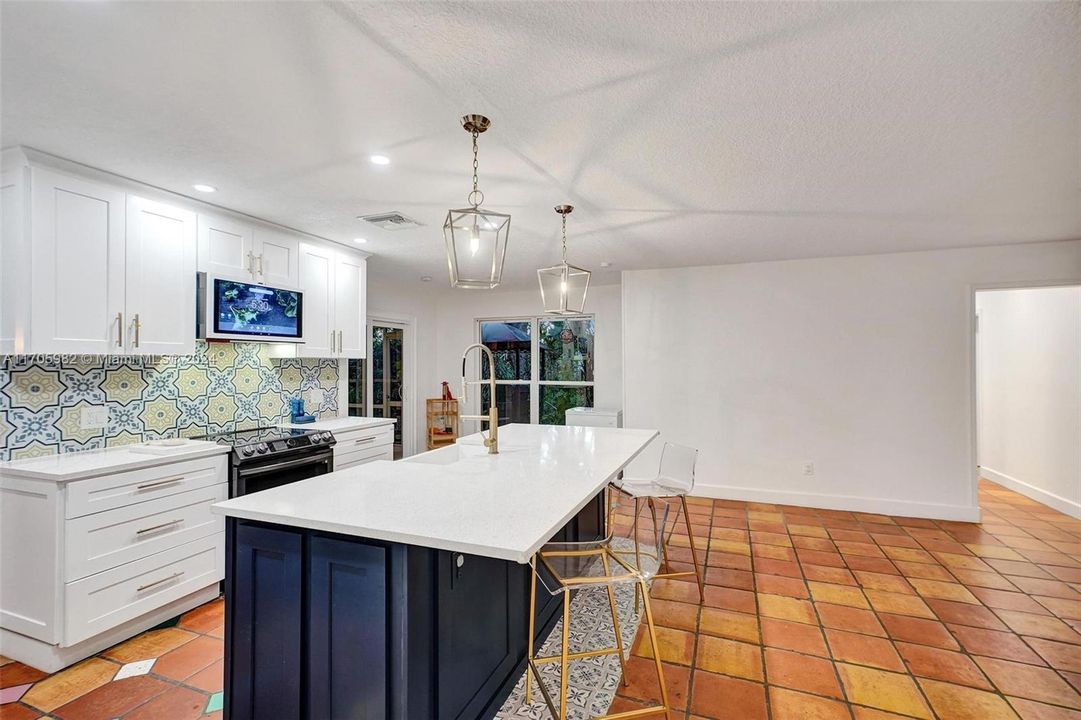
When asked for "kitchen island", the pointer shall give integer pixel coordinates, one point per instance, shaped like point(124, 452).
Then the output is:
point(400, 589)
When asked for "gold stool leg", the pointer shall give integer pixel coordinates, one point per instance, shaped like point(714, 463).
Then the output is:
point(656, 648)
point(637, 553)
point(615, 620)
point(563, 677)
point(532, 621)
point(698, 571)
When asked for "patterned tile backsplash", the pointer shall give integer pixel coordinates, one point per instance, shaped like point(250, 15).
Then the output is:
point(221, 387)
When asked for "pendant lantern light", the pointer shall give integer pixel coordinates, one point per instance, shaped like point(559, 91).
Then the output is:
point(476, 238)
point(563, 287)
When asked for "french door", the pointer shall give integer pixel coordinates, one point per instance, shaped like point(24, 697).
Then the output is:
point(387, 392)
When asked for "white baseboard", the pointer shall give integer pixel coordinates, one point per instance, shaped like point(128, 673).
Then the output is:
point(851, 503)
point(1057, 502)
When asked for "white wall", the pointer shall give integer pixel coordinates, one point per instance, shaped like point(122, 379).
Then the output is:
point(1029, 364)
point(861, 365)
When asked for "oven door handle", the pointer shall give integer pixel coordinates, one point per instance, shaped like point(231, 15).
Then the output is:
point(321, 460)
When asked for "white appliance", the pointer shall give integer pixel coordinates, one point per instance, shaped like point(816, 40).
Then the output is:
point(594, 417)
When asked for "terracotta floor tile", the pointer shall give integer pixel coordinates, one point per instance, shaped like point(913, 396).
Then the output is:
point(675, 590)
point(683, 616)
point(177, 703)
point(878, 565)
point(729, 657)
point(883, 690)
point(794, 636)
point(801, 672)
point(210, 679)
point(837, 594)
point(642, 682)
point(941, 590)
point(883, 581)
point(1061, 656)
point(15, 673)
point(15, 711)
point(725, 698)
point(817, 557)
point(218, 632)
point(977, 578)
point(112, 699)
point(945, 665)
point(918, 630)
point(739, 579)
point(955, 702)
point(1030, 682)
point(777, 567)
point(1062, 607)
point(835, 575)
point(863, 713)
point(728, 598)
point(1043, 626)
point(205, 617)
point(1047, 588)
point(151, 644)
point(993, 643)
point(68, 684)
point(863, 549)
point(863, 650)
point(1002, 600)
point(842, 617)
point(773, 552)
point(677, 646)
point(1032, 710)
point(814, 543)
point(923, 570)
point(965, 614)
point(1024, 569)
point(790, 705)
point(780, 585)
point(904, 554)
point(189, 658)
point(725, 623)
point(898, 603)
point(807, 530)
point(786, 608)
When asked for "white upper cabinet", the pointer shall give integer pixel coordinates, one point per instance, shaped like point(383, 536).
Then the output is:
point(277, 258)
point(160, 278)
point(349, 300)
point(12, 210)
point(317, 283)
point(226, 247)
point(334, 285)
point(77, 266)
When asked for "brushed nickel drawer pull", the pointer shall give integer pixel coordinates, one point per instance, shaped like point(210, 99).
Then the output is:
point(138, 327)
point(120, 329)
point(174, 576)
point(159, 483)
point(159, 527)
point(364, 440)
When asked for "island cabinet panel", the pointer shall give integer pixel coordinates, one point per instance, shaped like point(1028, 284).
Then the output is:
point(266, 613)
point(348, 654)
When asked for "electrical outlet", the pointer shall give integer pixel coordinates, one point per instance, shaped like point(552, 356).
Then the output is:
point(809, 469)
point(94, 417)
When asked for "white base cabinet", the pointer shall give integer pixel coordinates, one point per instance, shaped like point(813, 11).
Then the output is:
point(363, 445)
point(86, 561)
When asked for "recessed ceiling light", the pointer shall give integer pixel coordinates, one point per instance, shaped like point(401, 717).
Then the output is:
point(425, 278)
point(379, 160)
point(360, 240)
point(606, 264)
point(204, 188)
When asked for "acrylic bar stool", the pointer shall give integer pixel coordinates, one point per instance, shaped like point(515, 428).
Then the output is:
point(564, 568)
point(675, 479)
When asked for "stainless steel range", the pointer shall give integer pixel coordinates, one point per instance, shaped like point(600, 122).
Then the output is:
point(266, 457)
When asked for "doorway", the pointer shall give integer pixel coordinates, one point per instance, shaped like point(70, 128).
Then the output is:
point(1027, 371)
point(387, 387)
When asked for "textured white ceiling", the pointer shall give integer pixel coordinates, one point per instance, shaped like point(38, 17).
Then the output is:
point(685, 133)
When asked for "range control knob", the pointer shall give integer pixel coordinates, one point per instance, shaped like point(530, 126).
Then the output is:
point(262, 448)
point(315, 438)
point(327, 437)
point(247, 451)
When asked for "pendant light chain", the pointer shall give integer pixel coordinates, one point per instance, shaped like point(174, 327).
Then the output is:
point(564, 239)
point(475, 195)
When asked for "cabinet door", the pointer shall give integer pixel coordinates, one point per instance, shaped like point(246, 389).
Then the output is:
point(265, 604)
point(77, 265)
point(12, 262)
point(160, 273)
point(276, 256)
point(317, 282)
point(348, 652)
point(226, 248)
point(350, 315)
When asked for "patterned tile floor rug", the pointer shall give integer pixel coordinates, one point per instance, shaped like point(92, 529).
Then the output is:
point(809, 615)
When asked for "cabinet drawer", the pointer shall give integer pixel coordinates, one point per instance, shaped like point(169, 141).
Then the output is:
point(348, 460)
point(114, 537)
point(135, 486)
point(364, 437)
point(107, 599)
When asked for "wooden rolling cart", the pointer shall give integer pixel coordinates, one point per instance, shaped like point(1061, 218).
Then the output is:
point(442, 422)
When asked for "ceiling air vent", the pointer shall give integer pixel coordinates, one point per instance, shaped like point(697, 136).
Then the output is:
point(391, 221)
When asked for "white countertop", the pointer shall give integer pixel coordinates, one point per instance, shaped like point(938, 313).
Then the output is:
point(459, 498)
point(341, 424)
point(91, 463)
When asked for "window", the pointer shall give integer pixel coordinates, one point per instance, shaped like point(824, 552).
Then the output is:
point(543, 367)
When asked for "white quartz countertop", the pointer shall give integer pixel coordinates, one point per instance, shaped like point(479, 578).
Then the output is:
point(91, 463)
point(342, 424)
point(459, 498)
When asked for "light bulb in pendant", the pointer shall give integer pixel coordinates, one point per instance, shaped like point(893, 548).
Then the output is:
point(474, 241)
point(563, 287)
